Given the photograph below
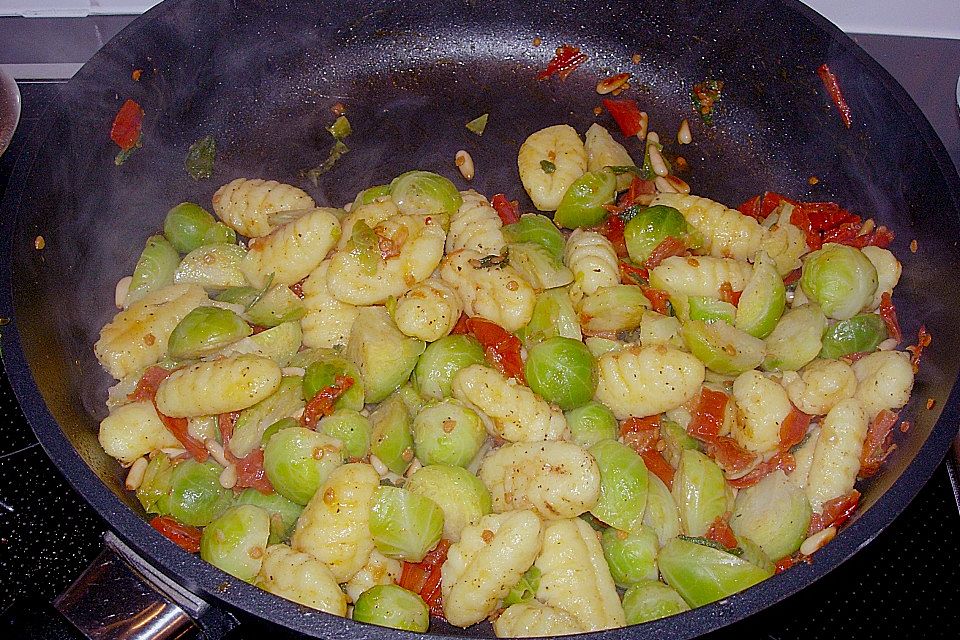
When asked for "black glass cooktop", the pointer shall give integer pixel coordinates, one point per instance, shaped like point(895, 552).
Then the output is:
point(904, 584)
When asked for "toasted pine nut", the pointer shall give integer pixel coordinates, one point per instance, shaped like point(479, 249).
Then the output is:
point(228, 477)
point(415, 466)
point(120, 293)
point(888, 345)
point(656, 160)
point(173, 452)
point(216, 452)
point(868, 226)
point(676, 183)
point(652, 137)
point(464, 163)
point(683, 135)
point(378, 466)
point(644, 121)
point(612, 83)
point(817, 540)
point(293, 371)
point(135, 475)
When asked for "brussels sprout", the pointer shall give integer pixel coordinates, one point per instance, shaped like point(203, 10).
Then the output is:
point(206, 330)
point(774, 513)
point(651, 600)
point(582, 204)
point(196, 496)
point(711, 309)
point(404, 525)
point(384, 356)
point(253, 422)
point(753, 553)
point(235, 541)
point(702, 574)
point(350, 428)
point(861, 333)
point(616, 308)
point(279, 425)
point(243, 296)
point(277, 305)
point(447, 432)
point(154, 489)
point(424, 193)
point(440, 362)
point(154, 270)
point(599, 346)
point(391, 606)
point(189, 226)
point(840, 279)
point(650, 227)
point(298, 460)
point(553, 315)
point(368, 195)
point(283, 513)
point(631, 556)
point(538, 266)
point(533, 227)
point(411, 398)
point(623, 485)
point(212, 266)
point(562, 371)
point(700, 491)
point(796, 340)
point(763, 299)
point(461, 496)
point(392, 437)
point(526, 589)
point(322, 374)
point(677, 439)
point(722, 349)
point(279, 343)
point(661, 514)
point(591, 423)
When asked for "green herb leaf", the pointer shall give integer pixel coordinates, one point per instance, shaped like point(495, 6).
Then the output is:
point(337, 151)
point(200, 156)
point(705, 96)
point(547, 166)
point(262, 292)
point(123, 155)
point(340, 128)
point(493, 261)
point(477, 125)
point(737, 551)
point(626, 168)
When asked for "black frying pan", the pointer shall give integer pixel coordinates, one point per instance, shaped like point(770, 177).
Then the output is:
point(261, 77)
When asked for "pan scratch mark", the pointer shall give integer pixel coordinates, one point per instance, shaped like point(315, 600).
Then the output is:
point(21, 450)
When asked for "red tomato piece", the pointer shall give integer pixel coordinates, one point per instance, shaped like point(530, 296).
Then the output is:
point(424, 577)
point(727, 294)
point(794, 428)
point(829, 80)
point(629, 274)
point(659, 300)
point(877, 446)
point(178, 427)
point(148, 384)
point(659, 466)
point(321, 404)
point(889, 314)
point(612, 229)
point(668, 247)
point(127, 125)
point(626, 113)
point(250, 471)
point(641, 434)
point(708, 414)
point(508, 210)
point(501, 347)
point(731, 457)
point(916, 351)
point(835, 512)
point(463, 325)
point(780, 460)
point(566, 60)
point(721, 532)
point(185, 537)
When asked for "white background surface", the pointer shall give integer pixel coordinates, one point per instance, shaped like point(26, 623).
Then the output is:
point(930, 18)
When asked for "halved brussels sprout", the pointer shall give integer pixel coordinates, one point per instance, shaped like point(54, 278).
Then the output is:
point(253, 422)
point(404, 525)
point(631, 556)
point(526, 589)
point(322, 374)
point(388, 605)
point(411, 398)
point(721, 348)
point(154, 270)
point(154, 489)
point(650, 227)
point(277, 305)
point(763, 299)
point(711, 309)
point(383, 354)
point(392, 437)
point(279, 343)
point(533, 227)
point(840, 279)
point(753, 553)
point(582, 204)
point(441, 360)
point(677, 439)
point(599, 346)
point(623, 485)
point(562, 371)
point(448, 433)
point(700, 491)
point(279, 425)
point(538, 266)
point(861, 333)
point(702, 574)
point(188, 226)
point(235, 542)
point(212, 266)
point(661, 514)
point(298, 460)
point(196, 496)
point(591, 423)
point(553, 315)
point(774, 513)
point(206, 330)
point(651, 600)
point(283, 513)
point(350, 428)
point(424, 193)
point(796, 340)
point(370, 194)
point(619, 307)
point(461, 496)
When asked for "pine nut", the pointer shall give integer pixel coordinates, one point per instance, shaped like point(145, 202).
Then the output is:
point(415, 466)
point(173, 452)
point(464, 163)
point(135, 475)
point(678, 184)
point(216, 452)
point(644, 121)
point(123, 288)
point(228, 477)
point(652, 137)
point(293, 371)
point(817, 540)
point(612, 83)
point(663, 185)
point(683, 135)
point(656, 160)
point(378, 466)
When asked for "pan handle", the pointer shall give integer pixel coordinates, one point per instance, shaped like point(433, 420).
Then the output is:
point(121, 597)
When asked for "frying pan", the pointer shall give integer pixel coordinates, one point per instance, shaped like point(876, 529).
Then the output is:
point(261, 77)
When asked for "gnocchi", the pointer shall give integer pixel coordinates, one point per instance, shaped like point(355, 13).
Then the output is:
point(302, 578)
point(290, 252)
point(428, 311)
point(475, 226)
point(220, 386)
point(327, 322)
point(561, 146)
point(836, 458)
point(496, 292)
point(644, 381)
point(250, 206)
